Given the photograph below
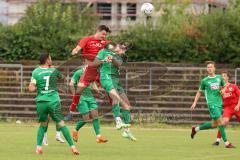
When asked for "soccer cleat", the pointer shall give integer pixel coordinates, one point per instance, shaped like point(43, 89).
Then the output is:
point(101, 139)
point(193, 132)
point(75, 135)
point(230, 146)
point(39, 150)
point(216, 143)
point(59, 139)
point(75, 151)
point(68, 117)
point(45, 140)
point(128, 135)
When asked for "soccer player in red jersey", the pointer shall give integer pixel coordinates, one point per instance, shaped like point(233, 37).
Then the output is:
point(231, 103)
point(90, 47)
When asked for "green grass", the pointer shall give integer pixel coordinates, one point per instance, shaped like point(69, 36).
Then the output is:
point(18, 143)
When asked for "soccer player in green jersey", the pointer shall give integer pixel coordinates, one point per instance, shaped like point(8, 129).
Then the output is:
point(211, 86)
point(110, 81)
point(87, 107)
point(44, 81)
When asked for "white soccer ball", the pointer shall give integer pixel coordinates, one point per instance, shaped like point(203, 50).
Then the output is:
point(147, 9)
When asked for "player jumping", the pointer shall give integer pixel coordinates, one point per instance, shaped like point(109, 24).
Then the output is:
point(211, 86)
point(44, 81)
point(87, 107)
point(110, 81)
point(231, 103)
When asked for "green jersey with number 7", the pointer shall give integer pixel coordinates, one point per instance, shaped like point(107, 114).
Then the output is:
point(46, 82)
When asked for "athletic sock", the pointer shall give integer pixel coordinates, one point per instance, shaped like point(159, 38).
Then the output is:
point(219, 135)
point(40, 135)
point(80, 124)
point(223, 133)
point(126, 114)
point(96, 126)
point(116, 110)
point(67, 135)
point(205, 126)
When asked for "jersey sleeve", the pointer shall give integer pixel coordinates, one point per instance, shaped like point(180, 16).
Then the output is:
point(222, 83)
point(101, 55)
point(76, 76)
point(82, 43)
point(202, 86)
point(59, 74)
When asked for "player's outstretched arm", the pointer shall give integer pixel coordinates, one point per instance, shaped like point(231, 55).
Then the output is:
point(198, 95)
point(76, 50)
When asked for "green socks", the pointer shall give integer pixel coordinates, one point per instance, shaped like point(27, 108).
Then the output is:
point(40, 135)
point(204, 126)
point(80, 124)
point(116, 110)
point(57, 128)
point(126, 115)
point(223, 133)
point(96, 126)
point(67, 135)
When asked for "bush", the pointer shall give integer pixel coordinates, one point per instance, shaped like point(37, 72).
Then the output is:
point(48, 26)
point(179, 37)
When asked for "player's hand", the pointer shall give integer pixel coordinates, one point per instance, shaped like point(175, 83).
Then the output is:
point(193, 107)
point(236, 109)
point(74, 51)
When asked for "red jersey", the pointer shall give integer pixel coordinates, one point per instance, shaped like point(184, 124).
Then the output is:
point(230, 97)
point(91, 46)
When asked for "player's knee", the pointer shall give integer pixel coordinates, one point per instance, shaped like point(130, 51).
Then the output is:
point(94, 114)
point(61, 124)
point(86, 117)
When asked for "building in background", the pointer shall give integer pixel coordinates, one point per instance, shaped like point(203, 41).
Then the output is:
point(118, 14)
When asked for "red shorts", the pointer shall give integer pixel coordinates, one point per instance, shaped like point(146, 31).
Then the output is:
point(228, 112)
point(90, 75)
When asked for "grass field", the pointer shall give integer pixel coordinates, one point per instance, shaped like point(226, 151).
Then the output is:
point(18, 143)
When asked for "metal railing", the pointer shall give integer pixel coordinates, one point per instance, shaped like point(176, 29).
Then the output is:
point(20, 66)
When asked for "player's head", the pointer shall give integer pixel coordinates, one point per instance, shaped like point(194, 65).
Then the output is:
point(45, 59)
point(225, 75)
point(102, 32)
point(210, 67)
point(120, 48)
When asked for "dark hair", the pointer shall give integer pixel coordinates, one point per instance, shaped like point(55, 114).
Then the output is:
point(104, 28)
point(43, 58)
point(226, 72)
point(210, 62)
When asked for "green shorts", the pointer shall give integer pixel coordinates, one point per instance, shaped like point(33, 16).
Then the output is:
point(52, 108)
point(108, 83)
point(215, 111)
point(86, 105)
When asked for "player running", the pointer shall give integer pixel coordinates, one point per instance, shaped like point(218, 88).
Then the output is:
point(44, 81)
point(90, 47)
point(110, 81)
point(210, 85)
point(231, 103)
point(87, 107)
